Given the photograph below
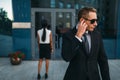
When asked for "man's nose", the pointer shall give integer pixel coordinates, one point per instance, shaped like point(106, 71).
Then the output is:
point(95, 23)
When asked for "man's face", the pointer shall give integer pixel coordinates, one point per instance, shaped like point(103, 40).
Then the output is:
point(91, 21)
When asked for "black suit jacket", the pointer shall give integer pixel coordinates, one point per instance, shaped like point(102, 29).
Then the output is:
point(84, 66)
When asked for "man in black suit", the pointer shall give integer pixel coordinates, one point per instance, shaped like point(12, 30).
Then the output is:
point(85, 63)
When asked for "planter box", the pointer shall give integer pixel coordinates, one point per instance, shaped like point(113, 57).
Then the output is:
point(14, 61)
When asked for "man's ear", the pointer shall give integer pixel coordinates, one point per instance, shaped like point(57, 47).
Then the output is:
point(81, 19)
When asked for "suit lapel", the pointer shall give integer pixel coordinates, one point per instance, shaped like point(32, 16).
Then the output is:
point(93, 41)
point(91, 35)
point(74, 30)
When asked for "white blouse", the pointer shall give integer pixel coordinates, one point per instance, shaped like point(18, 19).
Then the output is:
point(47, 40)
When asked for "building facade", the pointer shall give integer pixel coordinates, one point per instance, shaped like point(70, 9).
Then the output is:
point(62, 16)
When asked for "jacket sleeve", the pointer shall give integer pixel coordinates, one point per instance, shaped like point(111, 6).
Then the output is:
point(70, 46)
point(103, 62)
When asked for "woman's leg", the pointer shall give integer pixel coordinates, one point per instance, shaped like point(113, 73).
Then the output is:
point(47, 65)
point(39, 65)
point(39, 68)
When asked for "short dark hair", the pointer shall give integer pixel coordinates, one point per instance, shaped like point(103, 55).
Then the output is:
point(85, 11)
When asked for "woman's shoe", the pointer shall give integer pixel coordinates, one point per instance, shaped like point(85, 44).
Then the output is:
point(46, 75)
point(38, 76)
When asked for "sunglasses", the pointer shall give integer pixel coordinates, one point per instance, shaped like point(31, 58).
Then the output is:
point(92, 21)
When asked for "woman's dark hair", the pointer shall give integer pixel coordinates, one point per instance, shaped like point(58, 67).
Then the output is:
point(44, 25)
point(49, 27)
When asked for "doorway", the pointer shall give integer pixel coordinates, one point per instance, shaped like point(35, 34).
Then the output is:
point(60, 20)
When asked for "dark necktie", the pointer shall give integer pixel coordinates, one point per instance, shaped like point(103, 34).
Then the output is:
point(86, 42)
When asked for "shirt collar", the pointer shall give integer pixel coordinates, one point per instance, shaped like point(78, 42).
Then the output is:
point(86, 32)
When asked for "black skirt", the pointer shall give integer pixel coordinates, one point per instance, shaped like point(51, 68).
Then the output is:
point(45, 51)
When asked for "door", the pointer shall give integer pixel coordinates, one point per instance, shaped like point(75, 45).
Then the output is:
point(63, 23)
point(60, 20)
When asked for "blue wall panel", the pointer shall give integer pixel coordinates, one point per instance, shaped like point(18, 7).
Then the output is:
point(110, 48)
point(22, 41)
point(22, 36)
point(6, 45)
point(118, 30)
point(21, 10)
